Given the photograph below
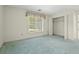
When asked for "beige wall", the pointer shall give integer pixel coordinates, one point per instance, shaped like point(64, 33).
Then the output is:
point(16, 26)
point(1, 25)
point(76, 25)
point(70, 26)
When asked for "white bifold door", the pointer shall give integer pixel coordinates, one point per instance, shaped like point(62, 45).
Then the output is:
point(58, 26)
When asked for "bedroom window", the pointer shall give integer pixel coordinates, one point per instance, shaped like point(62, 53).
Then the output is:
point(35, 23)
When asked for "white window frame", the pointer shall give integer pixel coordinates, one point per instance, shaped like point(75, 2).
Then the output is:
point(37, 30)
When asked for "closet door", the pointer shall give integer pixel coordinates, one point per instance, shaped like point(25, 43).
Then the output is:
point(58, 26)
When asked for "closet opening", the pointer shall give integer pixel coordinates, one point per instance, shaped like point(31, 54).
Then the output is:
point(58, 26)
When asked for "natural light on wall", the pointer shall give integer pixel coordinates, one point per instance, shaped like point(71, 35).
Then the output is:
point(35, 22)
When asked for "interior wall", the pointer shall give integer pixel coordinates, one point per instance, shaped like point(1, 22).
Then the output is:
point(76, 25)
point(1, 25)
point(16, 26)
point(70, 26)
point(58, 26)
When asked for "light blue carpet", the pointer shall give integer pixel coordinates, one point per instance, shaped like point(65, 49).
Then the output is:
point(41, 45)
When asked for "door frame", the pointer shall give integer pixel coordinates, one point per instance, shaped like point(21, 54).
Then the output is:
point(65, 25)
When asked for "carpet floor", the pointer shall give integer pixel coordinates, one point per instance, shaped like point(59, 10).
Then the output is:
point(41, 45)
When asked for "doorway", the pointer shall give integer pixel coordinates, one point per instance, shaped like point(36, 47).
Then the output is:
point(58, 26)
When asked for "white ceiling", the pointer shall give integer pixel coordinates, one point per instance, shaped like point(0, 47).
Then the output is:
point(48, 9)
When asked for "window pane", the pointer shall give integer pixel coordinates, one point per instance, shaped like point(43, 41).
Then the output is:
point(35, 23)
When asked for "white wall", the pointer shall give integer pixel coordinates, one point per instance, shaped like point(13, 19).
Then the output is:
point(1, 25)
point(76, 25)
point(16, 26)
point(70, 26)
point(72, 23)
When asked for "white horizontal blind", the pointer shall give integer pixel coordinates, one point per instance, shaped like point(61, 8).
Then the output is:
point(35, 23)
